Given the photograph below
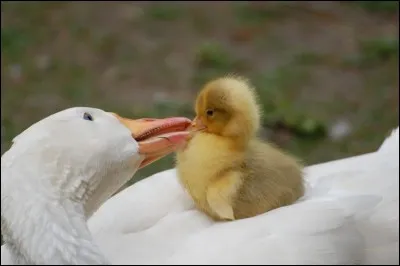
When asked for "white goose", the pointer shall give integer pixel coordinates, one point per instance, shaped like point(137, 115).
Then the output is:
point(350, 214)
point(61, 169)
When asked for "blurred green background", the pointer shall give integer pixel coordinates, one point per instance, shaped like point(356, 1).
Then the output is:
point(326, 72)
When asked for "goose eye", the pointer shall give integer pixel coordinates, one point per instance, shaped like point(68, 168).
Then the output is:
point(87, 116)
point(210, 112)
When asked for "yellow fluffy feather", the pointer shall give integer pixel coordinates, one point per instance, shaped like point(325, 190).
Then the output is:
point(227, 170)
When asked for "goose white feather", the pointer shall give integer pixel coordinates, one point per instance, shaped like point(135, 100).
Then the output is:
point(349, 215)
point(61, 169)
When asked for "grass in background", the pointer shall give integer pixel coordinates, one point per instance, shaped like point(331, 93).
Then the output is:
point(120, 56)
point(388, 7)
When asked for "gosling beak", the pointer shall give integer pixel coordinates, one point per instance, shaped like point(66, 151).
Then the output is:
point(157, 137)
point(197, 124)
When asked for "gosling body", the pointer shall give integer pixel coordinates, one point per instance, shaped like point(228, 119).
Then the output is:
point(228, 171)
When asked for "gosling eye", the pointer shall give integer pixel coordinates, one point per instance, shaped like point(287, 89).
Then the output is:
point(87, 116)
point(210, 112)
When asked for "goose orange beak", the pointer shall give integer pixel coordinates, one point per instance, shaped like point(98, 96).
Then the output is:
point(157, 137)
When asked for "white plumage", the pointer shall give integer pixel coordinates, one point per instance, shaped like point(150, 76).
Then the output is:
point(349, 215)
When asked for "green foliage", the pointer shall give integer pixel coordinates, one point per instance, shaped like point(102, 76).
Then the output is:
point(165, 12)
point(390, 7)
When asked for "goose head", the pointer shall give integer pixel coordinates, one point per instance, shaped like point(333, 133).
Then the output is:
point(61, 169)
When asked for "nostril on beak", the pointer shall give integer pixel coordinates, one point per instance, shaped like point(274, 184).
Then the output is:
point(148, 119)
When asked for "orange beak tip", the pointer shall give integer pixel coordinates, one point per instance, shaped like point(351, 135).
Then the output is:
point(157, 137)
